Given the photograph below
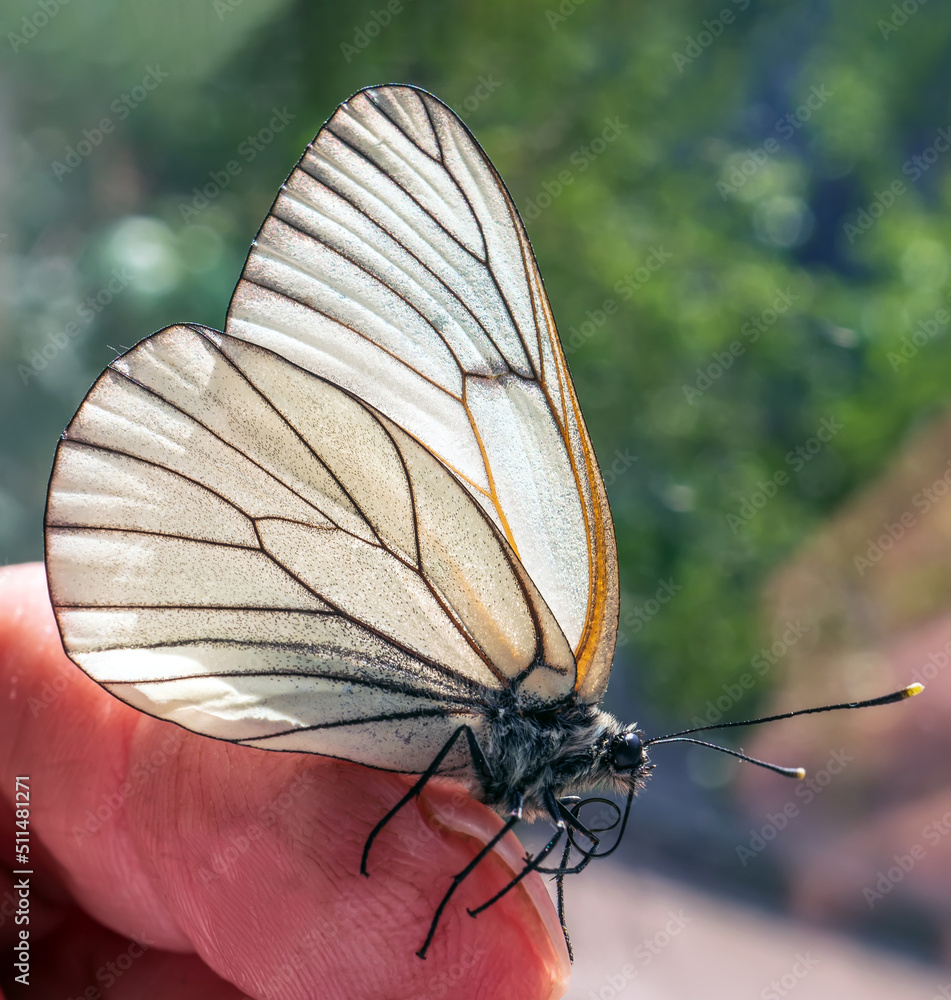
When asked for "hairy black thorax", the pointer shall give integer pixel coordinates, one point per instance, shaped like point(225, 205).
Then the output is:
point(563, 748)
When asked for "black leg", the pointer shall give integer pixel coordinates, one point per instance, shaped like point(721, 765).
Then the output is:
point(586, 858)
point(565, 868)
point(573, 823)
point(481, 765)
point(531, 865)
point(554, 807)
point(557, 811)
point(560, 895)
point(458, 879)
point(570, 820)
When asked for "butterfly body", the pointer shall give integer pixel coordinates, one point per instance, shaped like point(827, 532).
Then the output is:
point(536, 754)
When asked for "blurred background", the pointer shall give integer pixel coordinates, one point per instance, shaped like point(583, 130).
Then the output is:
point(742, 213)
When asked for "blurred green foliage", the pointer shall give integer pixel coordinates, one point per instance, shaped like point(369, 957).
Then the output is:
point(719, 289)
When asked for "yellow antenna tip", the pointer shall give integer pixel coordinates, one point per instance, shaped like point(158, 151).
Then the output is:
point(912, 690)
point(800, 773)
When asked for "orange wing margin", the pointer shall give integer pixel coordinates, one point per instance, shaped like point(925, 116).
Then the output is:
point(594, 652)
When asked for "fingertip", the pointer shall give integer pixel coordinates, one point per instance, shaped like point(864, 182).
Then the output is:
point(525, 921)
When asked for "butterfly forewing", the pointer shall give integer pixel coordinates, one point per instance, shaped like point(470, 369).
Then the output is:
point(394, 264)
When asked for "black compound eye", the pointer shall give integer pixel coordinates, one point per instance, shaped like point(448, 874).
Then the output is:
point(627, 751)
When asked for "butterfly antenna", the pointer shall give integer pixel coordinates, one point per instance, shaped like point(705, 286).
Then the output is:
point(888, 699)
point(786, 772)
point(684, 736)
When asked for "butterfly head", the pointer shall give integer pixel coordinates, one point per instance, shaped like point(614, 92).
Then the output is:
point(626, 751)
point(621, 761)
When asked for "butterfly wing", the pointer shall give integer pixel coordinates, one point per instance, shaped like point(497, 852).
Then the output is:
point(343, 527)
point(239, 546)
point(393, 263)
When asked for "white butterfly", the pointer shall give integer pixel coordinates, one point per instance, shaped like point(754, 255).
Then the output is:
point(366, 521)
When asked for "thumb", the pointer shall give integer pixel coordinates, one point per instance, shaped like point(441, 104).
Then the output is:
point(251, 858)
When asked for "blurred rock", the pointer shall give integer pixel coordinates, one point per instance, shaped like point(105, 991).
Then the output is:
point(640, 937)
point(866, 840)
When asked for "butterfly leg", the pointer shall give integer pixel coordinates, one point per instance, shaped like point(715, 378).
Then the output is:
point(572, 821)
point(565, 819)
point(558, 813)
point(560, 872)
point(558, 810)
point(514, 816)
point(531, 865)
point(564, 868)
point(560, 897)
point(481, 767)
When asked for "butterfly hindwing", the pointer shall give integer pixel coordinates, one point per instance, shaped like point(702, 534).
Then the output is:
point(239, 546)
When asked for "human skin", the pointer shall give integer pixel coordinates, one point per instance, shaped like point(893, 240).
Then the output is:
point(168, 864)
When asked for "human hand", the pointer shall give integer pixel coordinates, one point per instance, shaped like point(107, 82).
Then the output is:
point(169, 864)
